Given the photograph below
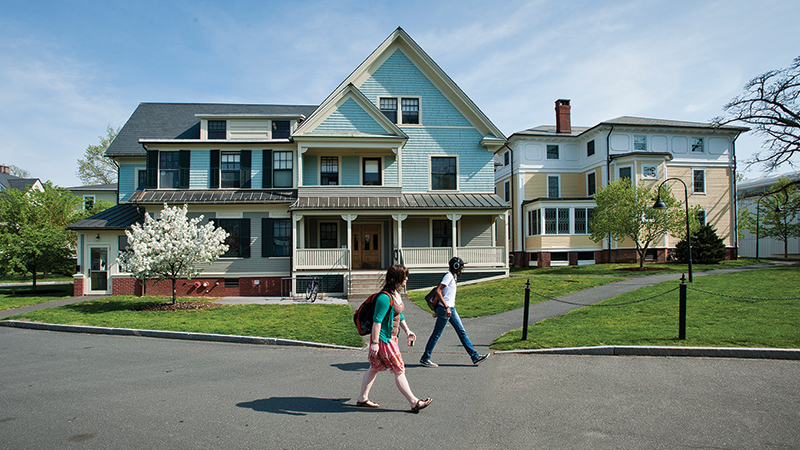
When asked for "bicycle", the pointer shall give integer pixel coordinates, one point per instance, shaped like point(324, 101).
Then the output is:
point(312, 289)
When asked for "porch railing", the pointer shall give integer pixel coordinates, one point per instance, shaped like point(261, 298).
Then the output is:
point(439, 256)
point(318, 258)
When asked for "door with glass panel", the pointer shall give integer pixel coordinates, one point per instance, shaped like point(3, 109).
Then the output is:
point(366, 246)
point(98, 269)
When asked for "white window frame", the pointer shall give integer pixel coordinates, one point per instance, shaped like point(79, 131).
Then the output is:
point(595, 184)
point(702, 145)
point(94, 201)
point(507, 191)
point(399, 111)
point(705, 181)
point(338, 170)
point(458, 168)
point(644, 137)
point(547, 154)
point(633, 174)
point(319, 233)
point(558, 177)
point(649, 177)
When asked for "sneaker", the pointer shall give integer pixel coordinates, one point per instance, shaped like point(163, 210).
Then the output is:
point(480, 359)
point(428, 363)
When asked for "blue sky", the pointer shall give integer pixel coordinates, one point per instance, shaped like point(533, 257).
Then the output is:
point(70, 68)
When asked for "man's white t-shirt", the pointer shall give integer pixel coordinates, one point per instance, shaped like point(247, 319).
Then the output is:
point(449, 291)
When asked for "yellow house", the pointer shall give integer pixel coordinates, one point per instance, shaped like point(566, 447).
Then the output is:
point(550, 174)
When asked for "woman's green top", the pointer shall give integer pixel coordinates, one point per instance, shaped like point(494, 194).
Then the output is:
point(384, 315)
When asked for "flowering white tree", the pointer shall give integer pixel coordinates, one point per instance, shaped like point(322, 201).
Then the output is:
point(171, 247)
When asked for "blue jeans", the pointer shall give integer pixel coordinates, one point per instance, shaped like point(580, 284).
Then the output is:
point(441, 322)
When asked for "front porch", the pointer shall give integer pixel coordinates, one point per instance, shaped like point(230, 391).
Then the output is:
point(316, 259)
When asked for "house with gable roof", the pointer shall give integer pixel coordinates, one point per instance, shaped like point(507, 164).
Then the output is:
point(394, 166)
point(550, 174)
point(8, 181)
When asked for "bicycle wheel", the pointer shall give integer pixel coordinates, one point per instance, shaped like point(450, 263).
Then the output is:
point(309, 288)
point(314, 292)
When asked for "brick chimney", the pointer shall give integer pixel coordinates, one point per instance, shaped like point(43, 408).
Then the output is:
point(5, 169)
point(563, 116)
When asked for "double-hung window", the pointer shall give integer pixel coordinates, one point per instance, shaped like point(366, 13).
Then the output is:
point(371, 172)
point(640, 142)
point(552, 152)
point(329, 171)
point(88, 201)
point(280, 129)
point(590, 148)
point(282, 165)
point(169, 165)
point(697, 145)
point(277, 237)
point(625, 173)
point(217, 129)
point(406, 114)
point(443, 173)
point(230, 169)
point(389, 108)
point(553, 186)
point(507, 191)
point(238, 240)
point(442, 233)
point(328, 235)
point(699, 181)
point(591, 184)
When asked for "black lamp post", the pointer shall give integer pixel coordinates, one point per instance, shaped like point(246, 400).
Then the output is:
point(758, 212)
point(660, 205)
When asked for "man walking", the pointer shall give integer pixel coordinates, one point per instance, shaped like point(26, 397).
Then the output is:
point(446, 312)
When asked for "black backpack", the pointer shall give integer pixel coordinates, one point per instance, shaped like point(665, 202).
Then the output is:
point(363, 315)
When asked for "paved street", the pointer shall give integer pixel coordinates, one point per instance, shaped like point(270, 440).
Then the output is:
point(64, 390)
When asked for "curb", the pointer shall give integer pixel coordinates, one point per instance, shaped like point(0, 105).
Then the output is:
point(189, 336)
point(703, 352)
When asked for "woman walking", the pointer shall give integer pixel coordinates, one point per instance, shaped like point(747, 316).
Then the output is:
point(384, 352)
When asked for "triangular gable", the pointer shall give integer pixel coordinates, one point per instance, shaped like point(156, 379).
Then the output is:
point(399, 39)
point(349, 113)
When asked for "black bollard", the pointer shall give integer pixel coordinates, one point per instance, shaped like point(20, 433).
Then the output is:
point(682, 310)
point(527, 308)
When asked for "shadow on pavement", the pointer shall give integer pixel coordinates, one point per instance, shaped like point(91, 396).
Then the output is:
point(352, 367)
point(301, 406)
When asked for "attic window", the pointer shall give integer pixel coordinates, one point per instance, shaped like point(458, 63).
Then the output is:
point(408, 113)
point(280, 129)
point(217, 129)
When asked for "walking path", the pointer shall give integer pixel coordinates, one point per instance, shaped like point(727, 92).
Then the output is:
point(482, 331)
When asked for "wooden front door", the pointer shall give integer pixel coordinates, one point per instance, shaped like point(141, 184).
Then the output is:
point(366, 246)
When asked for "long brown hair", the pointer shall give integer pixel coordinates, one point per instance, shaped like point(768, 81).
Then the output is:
point(395, 276)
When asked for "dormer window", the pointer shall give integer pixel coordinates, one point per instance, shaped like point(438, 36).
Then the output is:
point(280, 129)
point(217, 129)
point(409, 110)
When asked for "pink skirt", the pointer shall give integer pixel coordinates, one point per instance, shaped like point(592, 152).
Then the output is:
point(388, 357)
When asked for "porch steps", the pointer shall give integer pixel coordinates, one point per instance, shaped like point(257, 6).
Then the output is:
point(363, 284)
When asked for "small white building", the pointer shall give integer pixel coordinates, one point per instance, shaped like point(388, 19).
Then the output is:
point(747, 194)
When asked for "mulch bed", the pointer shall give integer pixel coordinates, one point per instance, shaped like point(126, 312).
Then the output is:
point(178, 306)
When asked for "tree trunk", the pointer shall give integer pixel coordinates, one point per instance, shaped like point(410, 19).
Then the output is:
point(34, 277)
point(174, 292)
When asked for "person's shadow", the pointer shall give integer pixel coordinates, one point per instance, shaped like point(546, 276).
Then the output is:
point(301, 406)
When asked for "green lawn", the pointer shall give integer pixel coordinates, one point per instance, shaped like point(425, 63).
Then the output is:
point(17, 297)
point(712, 321)
point(29, 278)
point(497, 296)
point(332, 324)
point(631, 269)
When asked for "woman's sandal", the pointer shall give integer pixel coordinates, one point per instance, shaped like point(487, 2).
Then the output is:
point(421, 404)
point(369, 404)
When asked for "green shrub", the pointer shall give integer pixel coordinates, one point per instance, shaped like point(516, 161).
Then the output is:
point(707, 247)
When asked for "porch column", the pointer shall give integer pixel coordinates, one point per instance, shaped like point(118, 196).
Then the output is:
point(505, 239)
point(300, 152)
point(296, 218)
point(349, 218)
point(398, 247)
point(454, 220)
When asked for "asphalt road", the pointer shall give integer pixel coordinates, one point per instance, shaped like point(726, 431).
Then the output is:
point(65, 390)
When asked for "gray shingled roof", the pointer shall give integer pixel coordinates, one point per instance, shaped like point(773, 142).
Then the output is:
point(406, 201)
point(13, 182)
point(118, 217)
point(213, 196)
point(153, 121)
